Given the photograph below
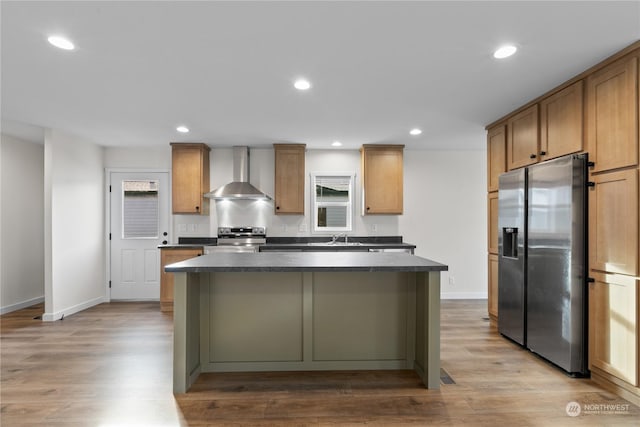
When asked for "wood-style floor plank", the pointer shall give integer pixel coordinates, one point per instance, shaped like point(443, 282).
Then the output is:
point(111, 366)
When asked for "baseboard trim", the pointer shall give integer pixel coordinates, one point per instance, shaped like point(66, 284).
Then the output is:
point(52, 317)
point(21, 305)
point(463, 295)
point(616, 386)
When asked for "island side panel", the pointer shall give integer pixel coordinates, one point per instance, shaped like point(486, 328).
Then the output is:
point(427, 363)
point(186, 330)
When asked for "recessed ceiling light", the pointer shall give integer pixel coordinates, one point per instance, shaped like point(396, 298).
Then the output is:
point(61, 42)
point(336, 144)
point(415, 131)
point(302, 84)
point(505, 51)
point(182, 129)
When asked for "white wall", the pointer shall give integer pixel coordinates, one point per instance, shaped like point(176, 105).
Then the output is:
point(444, 206)
point(73, 224)
point(445, 216)
point(21, 224)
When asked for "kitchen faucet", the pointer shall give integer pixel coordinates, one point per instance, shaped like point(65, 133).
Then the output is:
point(337, 236)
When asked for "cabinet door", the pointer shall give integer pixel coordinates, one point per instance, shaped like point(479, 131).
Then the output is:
point(612, 115)
point(190, 178)
point(382, 179)
point(613, 326)
point(289, 178)
point(492, 220)
point(523, 138)
point(493, 287)
point(613, 222)
point(496, 155)
point(561, 122)
point(170, 256)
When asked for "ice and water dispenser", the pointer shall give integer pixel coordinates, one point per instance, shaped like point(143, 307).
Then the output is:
point(510, 242)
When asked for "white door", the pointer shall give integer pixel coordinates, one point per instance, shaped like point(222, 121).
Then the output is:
point(139, 223)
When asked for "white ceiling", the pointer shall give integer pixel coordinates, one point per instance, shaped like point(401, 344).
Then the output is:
point(225, 69)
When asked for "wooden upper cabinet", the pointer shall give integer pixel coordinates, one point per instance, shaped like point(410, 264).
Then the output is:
point(289, 178)
point(612, 115)
point(561, 122)
point(382, 178)
point(523, 138)
point(492, 217)
point(496, 155)
point(189, 178)
point(613, 222)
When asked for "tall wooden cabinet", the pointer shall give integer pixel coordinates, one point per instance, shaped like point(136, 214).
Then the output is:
point(613, 334)
point(496, 155)
point(189, 178)
point(523, 138)
point(382, 178)
point(612, 115)
point(289, 178)
point(170, 256)
point(613, 222)
point(597, 112)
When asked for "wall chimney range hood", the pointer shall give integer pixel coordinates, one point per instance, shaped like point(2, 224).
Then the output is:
point(239, 189)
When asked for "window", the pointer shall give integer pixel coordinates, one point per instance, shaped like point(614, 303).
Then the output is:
point(332, 202)
point(140, 209)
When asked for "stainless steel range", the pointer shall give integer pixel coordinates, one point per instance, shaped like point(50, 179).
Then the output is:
point(238, 239)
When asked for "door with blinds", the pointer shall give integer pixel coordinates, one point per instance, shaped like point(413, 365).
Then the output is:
point(139, 222)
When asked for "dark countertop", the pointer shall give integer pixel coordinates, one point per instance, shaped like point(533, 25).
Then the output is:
point(181, 246)
point(304, 243)
point(325, 246)
point(306, 261)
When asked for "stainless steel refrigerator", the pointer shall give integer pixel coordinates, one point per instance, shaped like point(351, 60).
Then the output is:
point(542, 261)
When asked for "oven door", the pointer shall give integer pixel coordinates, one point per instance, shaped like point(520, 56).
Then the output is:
point(230, 249)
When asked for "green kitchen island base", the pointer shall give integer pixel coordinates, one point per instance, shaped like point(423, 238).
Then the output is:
point(306, 311)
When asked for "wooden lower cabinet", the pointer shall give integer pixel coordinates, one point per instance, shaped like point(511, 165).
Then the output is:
point(613, 326)
point(170, 256)
point(493, 287)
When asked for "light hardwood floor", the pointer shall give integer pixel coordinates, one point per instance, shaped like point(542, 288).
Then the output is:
point(111, 366)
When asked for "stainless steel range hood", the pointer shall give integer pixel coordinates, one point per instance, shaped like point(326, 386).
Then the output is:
point(240, 187)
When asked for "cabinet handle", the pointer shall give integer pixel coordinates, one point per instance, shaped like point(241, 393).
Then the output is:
point(590, 280)
point(543, 153)
point(165, 233)
point(591, 184)
point(368, 208)
point(277, 208)
point(533, 156)
point(164, 242)
point(197, 208)
point(591, 164)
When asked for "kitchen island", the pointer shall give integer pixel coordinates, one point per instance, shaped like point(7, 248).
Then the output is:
point(301, 311)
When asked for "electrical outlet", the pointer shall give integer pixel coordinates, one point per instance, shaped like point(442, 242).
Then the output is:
point(452, 280)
